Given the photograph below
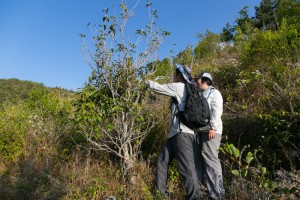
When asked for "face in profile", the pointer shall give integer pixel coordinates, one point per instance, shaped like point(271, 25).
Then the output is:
point(200, 84)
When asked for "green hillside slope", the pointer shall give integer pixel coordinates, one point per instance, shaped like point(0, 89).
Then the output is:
point(14, 89)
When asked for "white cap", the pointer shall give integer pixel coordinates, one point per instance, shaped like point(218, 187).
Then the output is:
point(204, 74)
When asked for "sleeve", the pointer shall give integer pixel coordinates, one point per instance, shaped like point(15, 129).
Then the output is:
point(165, 89)
point(216, 110)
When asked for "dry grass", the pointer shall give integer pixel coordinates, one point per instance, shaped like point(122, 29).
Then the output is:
point(82, 177)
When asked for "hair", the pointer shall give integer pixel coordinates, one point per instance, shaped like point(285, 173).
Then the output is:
point(178, 72)
point(206, 80)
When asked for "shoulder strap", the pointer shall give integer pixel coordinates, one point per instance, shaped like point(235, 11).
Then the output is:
point(212, 89)
point(210, 92)
point(188, 88)
point(175, 113)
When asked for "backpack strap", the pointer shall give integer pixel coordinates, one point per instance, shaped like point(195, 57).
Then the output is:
point(188, 88)
point(210, 92)
point(189, 92)
point(175, 113)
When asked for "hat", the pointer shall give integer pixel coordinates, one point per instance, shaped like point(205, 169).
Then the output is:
point(186, 72)
point(204, 74)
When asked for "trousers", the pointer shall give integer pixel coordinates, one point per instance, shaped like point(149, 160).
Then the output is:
point(208, 164)
point(181, 147)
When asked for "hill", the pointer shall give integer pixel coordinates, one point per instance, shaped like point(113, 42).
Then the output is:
point(14, 89)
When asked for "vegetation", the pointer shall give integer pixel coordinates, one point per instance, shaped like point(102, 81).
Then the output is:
point(14, 89)
point(110, 112)
point(103, 140)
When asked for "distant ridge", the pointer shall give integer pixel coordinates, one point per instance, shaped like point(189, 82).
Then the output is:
point(14, 89)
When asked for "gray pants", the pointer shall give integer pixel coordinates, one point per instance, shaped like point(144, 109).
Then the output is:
point(209, 165)
point(181, 146)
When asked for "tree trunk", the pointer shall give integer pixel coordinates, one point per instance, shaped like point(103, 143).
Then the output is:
point(128, 161)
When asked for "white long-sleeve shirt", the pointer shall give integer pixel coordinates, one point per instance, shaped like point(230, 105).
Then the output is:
point(178, 91)
point(215, 101)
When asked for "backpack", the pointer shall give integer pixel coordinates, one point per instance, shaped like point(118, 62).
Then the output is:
point(196, 112)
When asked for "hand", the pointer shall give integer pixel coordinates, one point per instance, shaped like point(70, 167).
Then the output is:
point(211, 134)
point(147, 82)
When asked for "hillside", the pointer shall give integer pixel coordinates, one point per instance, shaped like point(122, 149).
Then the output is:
point(102, 142)
point(14, 89)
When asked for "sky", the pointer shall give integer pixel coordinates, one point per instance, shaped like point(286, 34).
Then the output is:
point(40, 42)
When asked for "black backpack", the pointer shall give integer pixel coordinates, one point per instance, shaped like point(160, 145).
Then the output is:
point(196, 112)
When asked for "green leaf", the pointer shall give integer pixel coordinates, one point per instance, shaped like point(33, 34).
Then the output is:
point(110, 127)
point(263, 170)
point(148, 4)
point(235, 172)
point(123, 6)
point(105, 19)
point(112, 30)
point(105, 10)
point(244, 171)
point(116, 108)
point(82, 35)
point(166, 33)
point(228, 148)
point(249, 158)
point(236, 153)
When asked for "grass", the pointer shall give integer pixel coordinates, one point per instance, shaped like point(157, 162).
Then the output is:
point(92, 178)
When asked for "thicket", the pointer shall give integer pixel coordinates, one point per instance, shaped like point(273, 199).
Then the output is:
point(56, 144)
point(12, 89)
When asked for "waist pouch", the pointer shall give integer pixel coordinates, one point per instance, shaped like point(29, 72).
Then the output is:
point(204, 129)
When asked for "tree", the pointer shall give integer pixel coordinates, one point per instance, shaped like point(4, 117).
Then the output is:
point(207, 46)
point(244, 23)
point(111, 112)
point(290, 11)
point(227, 33)
point(266, 15)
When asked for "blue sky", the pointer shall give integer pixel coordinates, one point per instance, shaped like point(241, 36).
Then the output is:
point(39, 39)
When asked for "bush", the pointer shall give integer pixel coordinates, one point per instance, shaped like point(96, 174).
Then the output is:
point(13, 127)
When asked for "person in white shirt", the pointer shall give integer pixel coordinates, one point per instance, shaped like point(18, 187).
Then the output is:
point(181, 140)
point(208, 165)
